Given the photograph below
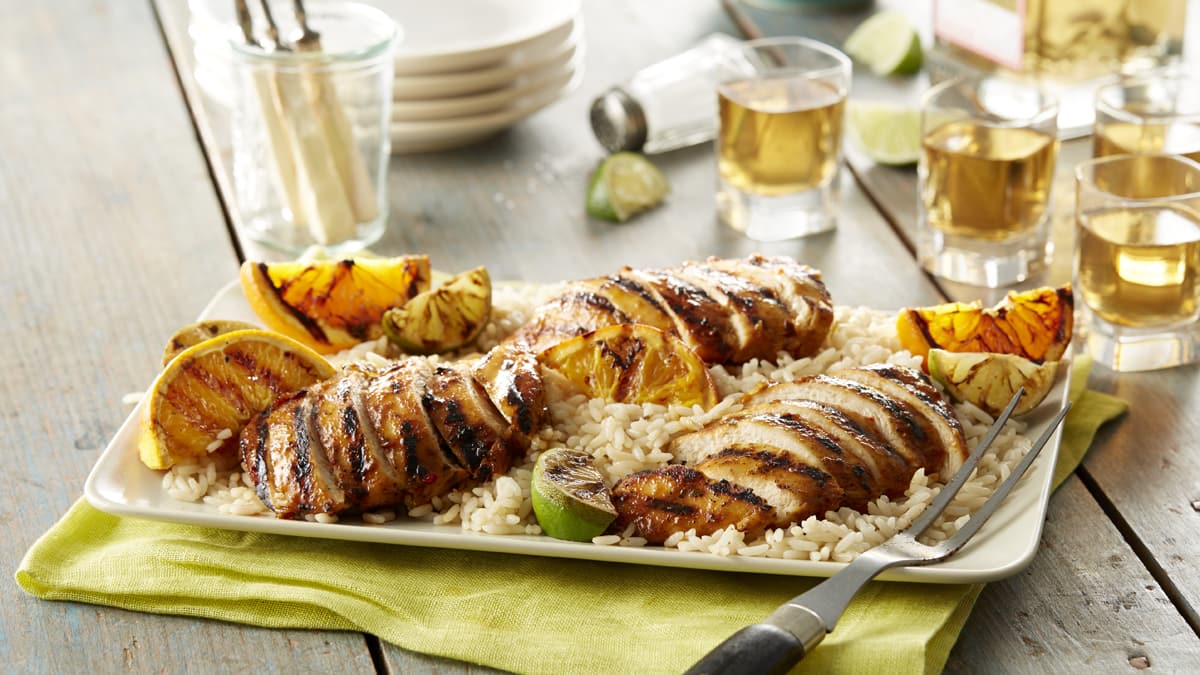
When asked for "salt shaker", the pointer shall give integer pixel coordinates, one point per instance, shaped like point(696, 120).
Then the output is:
point(671, 104)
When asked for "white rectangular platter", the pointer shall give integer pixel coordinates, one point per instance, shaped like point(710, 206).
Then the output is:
point(121, 485)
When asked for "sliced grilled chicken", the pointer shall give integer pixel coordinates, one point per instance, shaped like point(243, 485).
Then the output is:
point(797, 286)
point(891, 472)
point(729, 311)
point(793, 489)
point(660, 502)
point(474, 430)
point(890, 420)
point(911, 387)
point(788, 433)
point(361, 470)
point(292, 472)
point(510, 376)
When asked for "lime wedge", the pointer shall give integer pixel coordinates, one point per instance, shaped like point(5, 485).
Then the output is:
point(624, 185)
point(990, 380)
point(442, 318)
point(570, 498)
point(888, 134)
point(887, 44)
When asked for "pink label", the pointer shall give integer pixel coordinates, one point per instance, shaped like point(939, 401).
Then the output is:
point(983, 27)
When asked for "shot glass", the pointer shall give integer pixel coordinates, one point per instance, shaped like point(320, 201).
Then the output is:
point(1148, 114)
point(1137, 260)
point(985, 174)
point(781, 102)
point(310, 131)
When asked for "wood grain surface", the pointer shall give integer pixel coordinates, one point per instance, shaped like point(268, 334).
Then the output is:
point(106, 194)
point(114, 238)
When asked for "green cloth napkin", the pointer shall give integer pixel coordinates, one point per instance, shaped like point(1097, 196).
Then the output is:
point(519, 613)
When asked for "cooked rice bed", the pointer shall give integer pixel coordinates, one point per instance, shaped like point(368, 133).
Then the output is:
point(625, 438)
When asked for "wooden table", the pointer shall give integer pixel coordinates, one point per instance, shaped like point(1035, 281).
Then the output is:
point(111, 207)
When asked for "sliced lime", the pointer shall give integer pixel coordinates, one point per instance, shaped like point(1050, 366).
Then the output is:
point(442, 318)
point(624, 185)
point(990, 380)
point(887, 44)
point(570, 498)
point(888, 134)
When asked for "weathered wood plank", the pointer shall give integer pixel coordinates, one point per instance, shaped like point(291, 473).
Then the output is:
point(114, 238)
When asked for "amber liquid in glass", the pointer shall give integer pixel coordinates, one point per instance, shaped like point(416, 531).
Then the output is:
point(779, 136)
point(985, 182)
point(1139, 267)
point(1123, 138)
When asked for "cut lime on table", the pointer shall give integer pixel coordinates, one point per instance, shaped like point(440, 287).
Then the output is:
point(887, 44)
point(624, 185)
point(888, 134)
point(990, 380)
point(569, 495)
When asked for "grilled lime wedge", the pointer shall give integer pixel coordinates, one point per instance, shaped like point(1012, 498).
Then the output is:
point(990, 380)
point(443, 318)
point(570, 499)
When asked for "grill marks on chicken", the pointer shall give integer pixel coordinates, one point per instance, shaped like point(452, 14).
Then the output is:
point(804, 448)
point(727, 310)
point(367, 439)
point(677, 498)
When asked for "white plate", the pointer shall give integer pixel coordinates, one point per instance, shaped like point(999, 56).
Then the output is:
point(524, 64)
point(487, 102)
point(120, 484)
point(431, 135)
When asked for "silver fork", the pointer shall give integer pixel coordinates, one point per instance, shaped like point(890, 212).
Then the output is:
point(799, 625)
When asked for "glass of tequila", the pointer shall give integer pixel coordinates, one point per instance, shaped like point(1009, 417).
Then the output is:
point(1137, 260)
point(779, 142)
point(985, 173)
point(1148, 114)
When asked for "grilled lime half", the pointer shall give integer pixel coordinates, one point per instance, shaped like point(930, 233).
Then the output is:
point(990, 380)
point(570, 498)
point(443, 318)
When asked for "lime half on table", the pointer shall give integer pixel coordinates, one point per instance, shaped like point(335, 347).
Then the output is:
point(624, 185)
point(888, 134)
point(887, 44)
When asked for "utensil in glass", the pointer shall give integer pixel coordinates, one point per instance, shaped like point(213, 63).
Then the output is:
point(780, 105)
point(310, 125)
point(799, 625)
point(1137, 259)
point(985, 174)
point(1157, 112)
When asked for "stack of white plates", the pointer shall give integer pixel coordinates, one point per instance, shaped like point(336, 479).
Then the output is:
point(465, 69)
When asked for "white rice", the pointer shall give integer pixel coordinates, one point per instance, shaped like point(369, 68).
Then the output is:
point(624, 438)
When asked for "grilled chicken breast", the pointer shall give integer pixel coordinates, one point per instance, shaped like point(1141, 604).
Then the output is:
point(661, 502)
point(729, 311)
point(806, 447)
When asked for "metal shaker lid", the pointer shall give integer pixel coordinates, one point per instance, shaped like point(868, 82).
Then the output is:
point(618, 121)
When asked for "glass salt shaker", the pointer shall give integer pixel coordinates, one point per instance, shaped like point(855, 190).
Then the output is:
point(671, 104)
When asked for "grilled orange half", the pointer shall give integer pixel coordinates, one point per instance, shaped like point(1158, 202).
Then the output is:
point(1035, 324)
point(633, 363)
point(331, 305)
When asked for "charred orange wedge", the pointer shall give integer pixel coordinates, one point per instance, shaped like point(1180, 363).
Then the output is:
point(1035, 324)
point(208, 392)
point(331, 305)
point(633, 363)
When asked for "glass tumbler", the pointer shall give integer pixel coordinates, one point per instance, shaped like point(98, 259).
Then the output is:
point(310, 132)
point(988, 149)
point(1151, 113)
point(1137, 260)
point(781, 102)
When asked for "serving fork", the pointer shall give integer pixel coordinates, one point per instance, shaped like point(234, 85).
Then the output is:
point(796, 627)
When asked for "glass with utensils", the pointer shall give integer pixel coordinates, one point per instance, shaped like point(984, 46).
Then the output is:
point(1137, 259)
point(1152, 113)
point(310, 124)
point(986, 169)
point(780, 105)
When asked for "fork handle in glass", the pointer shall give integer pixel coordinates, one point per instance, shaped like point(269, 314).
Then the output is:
point(793, 630)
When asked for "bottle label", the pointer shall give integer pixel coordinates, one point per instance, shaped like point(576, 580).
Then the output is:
point(993, 29)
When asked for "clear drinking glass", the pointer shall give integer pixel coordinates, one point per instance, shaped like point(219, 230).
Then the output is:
point(779, 141)
point(1137, 261)
point(310, 132)
point(1153, 113)
point(986, 169)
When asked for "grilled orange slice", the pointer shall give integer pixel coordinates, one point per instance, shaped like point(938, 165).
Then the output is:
point(331, 305)
point(633, 363)
point(1035, 324)
point(202, 399)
